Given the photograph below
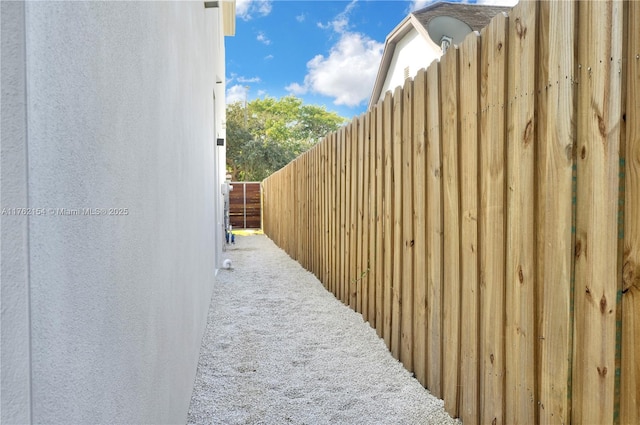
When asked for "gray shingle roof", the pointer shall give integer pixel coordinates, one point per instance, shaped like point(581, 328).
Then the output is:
point(477, 16)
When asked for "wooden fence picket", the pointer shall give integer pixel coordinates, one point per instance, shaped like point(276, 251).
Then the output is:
point(483, 217)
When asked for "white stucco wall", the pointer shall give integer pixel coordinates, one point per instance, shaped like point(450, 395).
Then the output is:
point(412, 51)
point(108, 105)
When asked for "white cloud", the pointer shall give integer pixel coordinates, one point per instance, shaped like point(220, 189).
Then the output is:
point(236, 93)
point(262, 38)
point(301, 17)
point(246, 9)
point(348, 72)
point(340, 23)
point(268, 57)
point(419, 4)
point(248, 80)
point(295, 88)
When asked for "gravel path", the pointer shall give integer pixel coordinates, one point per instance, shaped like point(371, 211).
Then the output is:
point(280, 349)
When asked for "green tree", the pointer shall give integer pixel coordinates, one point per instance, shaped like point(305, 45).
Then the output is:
point(269, 133)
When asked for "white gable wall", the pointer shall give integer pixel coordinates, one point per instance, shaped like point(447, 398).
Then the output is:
point(412, 51)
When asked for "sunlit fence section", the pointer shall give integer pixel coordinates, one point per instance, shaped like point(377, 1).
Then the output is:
point(485, 217)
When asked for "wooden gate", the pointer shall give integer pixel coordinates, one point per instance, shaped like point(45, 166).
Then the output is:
point(245, 205)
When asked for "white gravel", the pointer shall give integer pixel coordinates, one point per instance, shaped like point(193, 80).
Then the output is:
point(280, 349)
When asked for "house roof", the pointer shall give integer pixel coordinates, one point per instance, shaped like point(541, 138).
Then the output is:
point(476, 16)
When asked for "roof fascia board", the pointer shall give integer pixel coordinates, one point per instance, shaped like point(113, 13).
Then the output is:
point(390, 46)
point(229, 17)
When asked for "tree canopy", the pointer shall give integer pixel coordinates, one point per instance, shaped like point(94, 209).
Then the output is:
point(269, 133)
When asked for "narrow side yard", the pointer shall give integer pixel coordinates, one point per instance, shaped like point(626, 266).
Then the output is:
point(281, 349)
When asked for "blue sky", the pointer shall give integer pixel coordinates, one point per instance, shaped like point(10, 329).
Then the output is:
point(326, 52)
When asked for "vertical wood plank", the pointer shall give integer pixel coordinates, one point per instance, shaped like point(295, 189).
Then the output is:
point(434, 232)
point(303, 179)
point(365, 187)
point(330, 194)
point(599, 114)
point(316, 228)
point(492, 220)
point(388, 216)
point(555, 147)
point(320, 231)
point(359, 277)
point(451, 249)
point(370, 205)
point(469, 203)
point(346, 285)
point(325, 211)
point(396, 282)
point(335, 196)
point(309, 210)
point(342, 234)
point(292, 206)
point(353, 213)
point(420, 227)
point(630, 356)
point(520, 338)
point(305, 210)
point(408, 242)
point(381, 282)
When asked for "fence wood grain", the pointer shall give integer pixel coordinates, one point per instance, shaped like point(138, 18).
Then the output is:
point(407, 227)
point(630, 356)
point(451, 249)
point(334, 212)
point(484, 217)
point(370, 218)
point(556, 88)
point(420, 228)
point(363, 220)
point(358, 295)
point(387, 117)
point(342, 145)
point(396, 193)
point(434, 241)
point(492, 219)
point(520, 336)
point(599, 114)
point(380, 253)
point(353, 215)
point(469, 203)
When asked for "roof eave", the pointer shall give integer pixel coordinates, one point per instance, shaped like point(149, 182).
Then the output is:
point(229, 17)
point(390, 46)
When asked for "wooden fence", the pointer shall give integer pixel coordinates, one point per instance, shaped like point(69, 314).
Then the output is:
point(485, 218)
point(245, 205)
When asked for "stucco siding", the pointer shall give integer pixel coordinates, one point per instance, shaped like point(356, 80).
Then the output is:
point(14, 261)
point(119, 115)
point(411, 51)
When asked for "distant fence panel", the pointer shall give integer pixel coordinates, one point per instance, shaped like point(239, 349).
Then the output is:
point(245, 205)
point(484, 218)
